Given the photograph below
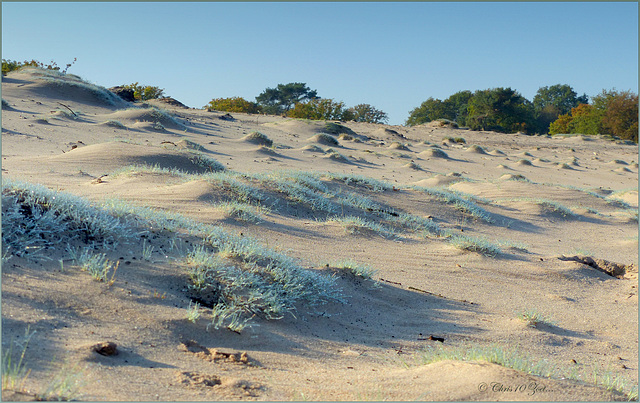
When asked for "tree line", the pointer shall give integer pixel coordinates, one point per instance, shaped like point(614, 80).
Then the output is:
point(555, 109)
point(296, 100)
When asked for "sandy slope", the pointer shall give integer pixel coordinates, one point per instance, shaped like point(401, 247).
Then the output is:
point(370, 347)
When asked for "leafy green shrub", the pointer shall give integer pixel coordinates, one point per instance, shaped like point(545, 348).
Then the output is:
point(234, 104)
point(144, 93)
point(10, 65)
point(318, 109)
point(365, 113)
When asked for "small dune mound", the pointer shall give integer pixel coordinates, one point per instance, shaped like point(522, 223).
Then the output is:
point(502, 166)
point(442, 123)
point(157, 117)
point(511, 177)
point(617, 162)
point(258, 138)
point(476, 149)
point(114, 155)
point(189, 145)
point(56, 85)
point(385, 133)
point(563, 165)
point(324, 138)
point(113, 123)
point(539, 160)
point(168, 101)
point(622, 169)
point(524, 162)
point(312, 148)
point(525, 154)
point(439, 180)
point(496, 152)
point(336, 156)
point(433, 153)
point(267, 151)
point(413, 165)
point(346, 137)
point(398, 146)
point(336, 129)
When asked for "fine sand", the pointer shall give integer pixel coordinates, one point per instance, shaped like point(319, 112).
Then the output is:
point(542, 200)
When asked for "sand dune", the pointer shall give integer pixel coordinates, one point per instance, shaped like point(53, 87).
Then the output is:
point(362, 261)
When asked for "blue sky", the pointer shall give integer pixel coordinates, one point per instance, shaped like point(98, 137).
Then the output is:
point(390, 55)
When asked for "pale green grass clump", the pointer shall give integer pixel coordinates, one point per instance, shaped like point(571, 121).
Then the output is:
point(34, 217)
point(243, 211)
point(96, 264)
point(460, 201)
point(261, 283)
point(357, 225)
point(359, 181)
point(475, 244)
point(355, 269)
point(230, 182)
point(532, 318)
point(137, 169)
point(416, 223)
point(14, 372)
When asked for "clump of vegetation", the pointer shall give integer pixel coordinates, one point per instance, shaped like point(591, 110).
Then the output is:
point(356, 225)
point(325, 139)
point(336, 128)
point(234, 104)
point(145, 92)
point(354, 269)
point(11, 65)
point(258, 138)
point(532, 318)
point(114, 123)
point(14, 372)
point(475, 244)
point(458, 140)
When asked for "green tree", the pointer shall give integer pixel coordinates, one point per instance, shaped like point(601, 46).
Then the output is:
point(284, 97)
point(365, 113)
point(551, 102)
point(234, 104)
point(318, 109)
point(429, 110)
point(619, 113)
point(456, 107)
point(500, 109)
point(453, 108)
